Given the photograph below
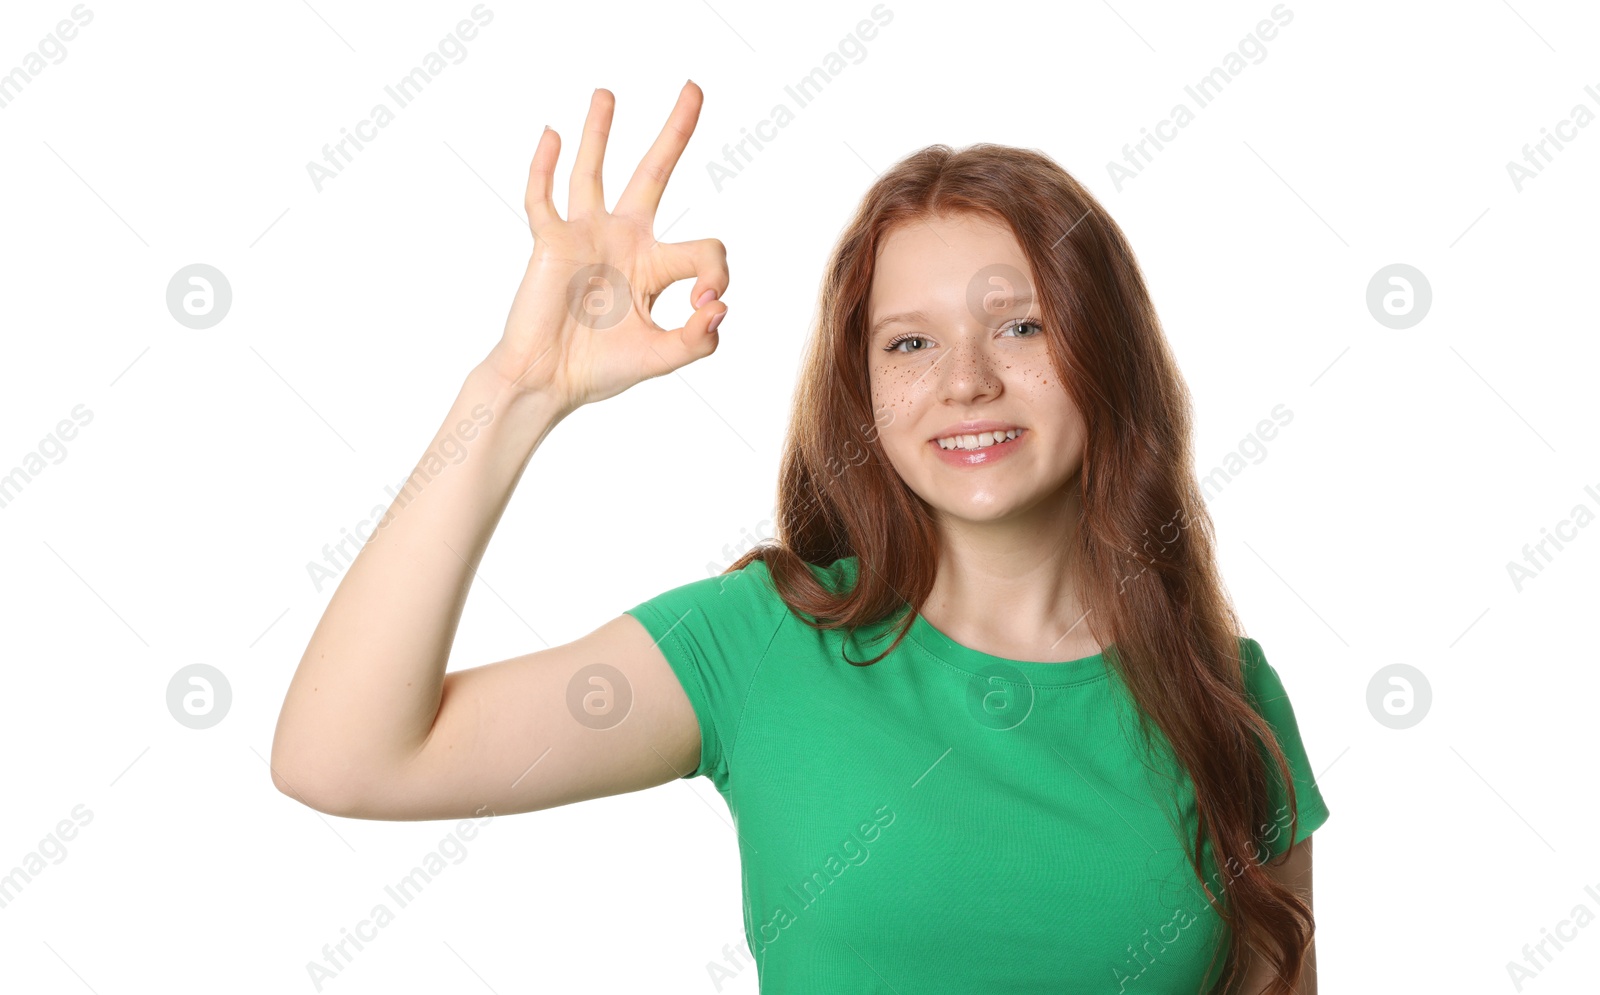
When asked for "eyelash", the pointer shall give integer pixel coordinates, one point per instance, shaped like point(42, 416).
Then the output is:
point(894, 344)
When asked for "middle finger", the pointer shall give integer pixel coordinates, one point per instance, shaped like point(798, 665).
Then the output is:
point(584, 192)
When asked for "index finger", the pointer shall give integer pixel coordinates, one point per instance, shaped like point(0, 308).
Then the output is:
point(643, 194)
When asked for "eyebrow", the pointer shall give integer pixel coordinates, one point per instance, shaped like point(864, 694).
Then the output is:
point(912, 317)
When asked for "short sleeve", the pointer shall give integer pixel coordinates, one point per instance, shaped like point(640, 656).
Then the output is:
point(714, 633)
point(1271, 701)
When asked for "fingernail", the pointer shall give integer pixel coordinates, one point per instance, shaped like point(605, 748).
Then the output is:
point(716, 321)
point(709, 295)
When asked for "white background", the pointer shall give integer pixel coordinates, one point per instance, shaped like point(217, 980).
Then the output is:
point(177, 530)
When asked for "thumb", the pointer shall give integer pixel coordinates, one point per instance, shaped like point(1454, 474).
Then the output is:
point(705, 259)
point(696, 339)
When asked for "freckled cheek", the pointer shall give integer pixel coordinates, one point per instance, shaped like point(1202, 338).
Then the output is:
point(899, 392)
point(1037, 376)
point(898, 389)
point(1040, 388)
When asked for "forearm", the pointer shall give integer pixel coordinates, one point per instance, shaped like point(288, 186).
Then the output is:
point(368, 687)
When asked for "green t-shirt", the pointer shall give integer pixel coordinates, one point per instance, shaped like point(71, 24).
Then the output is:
point(946, 820)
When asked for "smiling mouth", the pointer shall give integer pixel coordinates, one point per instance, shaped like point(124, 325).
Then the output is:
point(979, 441)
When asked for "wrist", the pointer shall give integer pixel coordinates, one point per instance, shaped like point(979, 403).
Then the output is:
point(491, 384)
point(518, 419)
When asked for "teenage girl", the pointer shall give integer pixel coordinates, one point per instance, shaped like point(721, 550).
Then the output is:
point(982, 710)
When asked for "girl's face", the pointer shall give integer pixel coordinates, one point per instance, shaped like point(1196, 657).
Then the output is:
point(957, 357)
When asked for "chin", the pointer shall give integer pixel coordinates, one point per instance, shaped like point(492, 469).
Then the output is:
point(990, 508)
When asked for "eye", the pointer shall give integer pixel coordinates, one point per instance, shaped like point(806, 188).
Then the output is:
point(894, 344)
point(1020, 322)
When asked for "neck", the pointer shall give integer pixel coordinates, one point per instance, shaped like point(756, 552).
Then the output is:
point(1006, 587)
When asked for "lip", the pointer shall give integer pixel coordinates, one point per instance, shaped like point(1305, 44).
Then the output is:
point(970, 458)
point(973, 428)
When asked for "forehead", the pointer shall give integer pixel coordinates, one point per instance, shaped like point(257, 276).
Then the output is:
point(932, 262)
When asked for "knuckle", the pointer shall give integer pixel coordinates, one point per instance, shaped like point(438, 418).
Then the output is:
point(656, 172)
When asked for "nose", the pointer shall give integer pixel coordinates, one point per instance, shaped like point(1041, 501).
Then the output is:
point(968, 371)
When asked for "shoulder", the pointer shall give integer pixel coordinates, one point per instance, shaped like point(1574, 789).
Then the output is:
point(1265, 689)
point(747, 593)
point(838, 576)
point(1271, 701)
point(744, 602)
point(1261, 679)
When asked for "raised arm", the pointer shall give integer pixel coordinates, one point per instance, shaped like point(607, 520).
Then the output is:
point(372, 726)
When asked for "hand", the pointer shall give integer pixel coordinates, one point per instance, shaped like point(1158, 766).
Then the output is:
point(580, 328)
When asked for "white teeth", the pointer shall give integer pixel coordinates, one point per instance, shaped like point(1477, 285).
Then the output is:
point(983, 440)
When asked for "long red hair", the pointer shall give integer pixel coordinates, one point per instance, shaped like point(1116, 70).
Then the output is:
point(1143, 566)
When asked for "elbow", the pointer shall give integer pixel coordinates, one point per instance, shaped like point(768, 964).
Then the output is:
point(302, 783)
point(334, 776)
point(293, 784)
point(319, 797)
